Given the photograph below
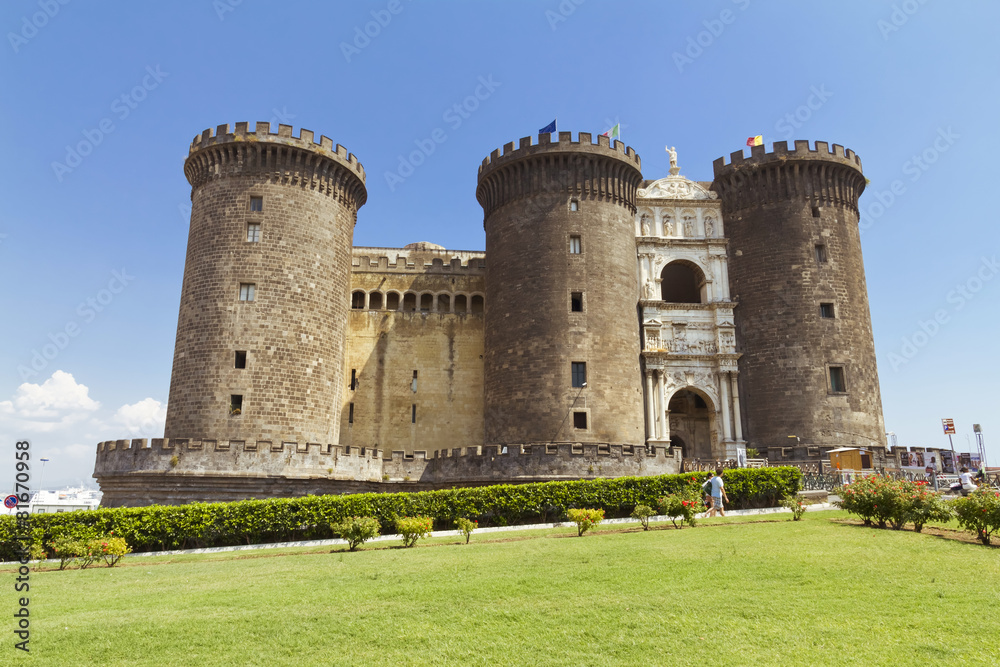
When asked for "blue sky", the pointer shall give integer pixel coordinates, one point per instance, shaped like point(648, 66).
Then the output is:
point(101, 101)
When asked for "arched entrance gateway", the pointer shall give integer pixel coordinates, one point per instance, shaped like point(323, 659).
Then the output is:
point(691, 418)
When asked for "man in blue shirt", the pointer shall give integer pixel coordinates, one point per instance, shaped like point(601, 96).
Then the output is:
point(718, 493)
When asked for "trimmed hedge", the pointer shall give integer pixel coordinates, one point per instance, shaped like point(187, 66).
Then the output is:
point(162, 528)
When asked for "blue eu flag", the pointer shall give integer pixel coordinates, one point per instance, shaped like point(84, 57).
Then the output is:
point(548, 129)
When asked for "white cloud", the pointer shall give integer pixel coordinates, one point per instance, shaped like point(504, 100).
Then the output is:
point(146, 417)
point(80, 452)
point(58, 397)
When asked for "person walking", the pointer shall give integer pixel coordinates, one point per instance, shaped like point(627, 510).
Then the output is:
point(718, 494)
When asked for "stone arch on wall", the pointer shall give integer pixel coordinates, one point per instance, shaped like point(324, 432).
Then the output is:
point(461, 303)
point(409, 302)
point(444, 303)
point(375, 300)
point(358, 300)
point(683, 281)
point(392, 300)
point(692, 418)
point(476, 304)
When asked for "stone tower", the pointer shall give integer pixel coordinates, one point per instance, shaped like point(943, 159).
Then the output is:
point(803, 324)
point(561, 293)
point(263, 315)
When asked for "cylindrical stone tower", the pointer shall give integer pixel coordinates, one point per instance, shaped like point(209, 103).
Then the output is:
point(263, 315)
point(561, 293)
point(803, 324)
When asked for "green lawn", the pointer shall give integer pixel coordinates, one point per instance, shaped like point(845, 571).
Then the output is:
point(730, 592)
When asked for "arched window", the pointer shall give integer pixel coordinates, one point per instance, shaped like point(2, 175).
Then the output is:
point(409, 302)
point(358, 300)
point(477, 304)
point(444, 303)
point(392, 301)
point(375, 301)
point(682, 282)
point(461, 303)
point(426, 302)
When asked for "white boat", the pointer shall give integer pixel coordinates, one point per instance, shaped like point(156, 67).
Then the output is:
point(66, 500)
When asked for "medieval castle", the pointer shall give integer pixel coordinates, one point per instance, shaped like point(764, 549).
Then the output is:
point(613, 326)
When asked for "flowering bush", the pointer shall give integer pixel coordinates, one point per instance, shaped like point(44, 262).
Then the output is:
point(111, 549)
point(681, 507)
point(466, 527)
point(642, 513)
point(585, 519)
point(797, 505)
point(67, 550)
point(412, 528)
point(883, 500)
point(979, 513)
point(357, 530)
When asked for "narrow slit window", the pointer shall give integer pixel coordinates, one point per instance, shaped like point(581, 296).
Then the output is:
point(838, 383)
point(575, 246)
point(253, 232)
point(236, 404)
point(241, 359)
point(413, 413)
point(580, 420)
point(247, 291)
point(413, 383)
point(350, 413)
point(354, 379)
point(256, 204)
point(826, 311)
point(576, 302)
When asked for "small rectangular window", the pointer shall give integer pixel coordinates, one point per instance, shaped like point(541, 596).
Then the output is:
point(815, 211)
point(354, 379)
point(247, 291)
point(575, 247)
point(826, 311)
point(241, 359)
point(256, 204)
point(821, 253)
point(236, 404)
point(837, 382)
point(413, 383)
point(579, 371)
point(350, 413)
point(253, 232)
point(576, 302)
point(413, 413)
point(574, 205)
point(580, 420)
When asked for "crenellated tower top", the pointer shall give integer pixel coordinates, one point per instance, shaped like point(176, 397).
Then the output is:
point(580, 168)
point(281, 156)
point(821, 176)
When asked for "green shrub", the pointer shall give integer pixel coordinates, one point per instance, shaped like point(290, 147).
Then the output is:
point(36, 552)
point(412, 528)
point(357, 530)
point(925, 505)
point(979, 513)
point(195, 525)
point(642, 513)
point(466, 526)
point(585, 519)
point(681, 507)
point(797, 505)
point(112, 549)
point(67, 550)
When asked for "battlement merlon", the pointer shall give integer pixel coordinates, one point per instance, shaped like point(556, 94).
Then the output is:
point(405, 260)
point(563, 144)
point(780, 153)
point(262, 133)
